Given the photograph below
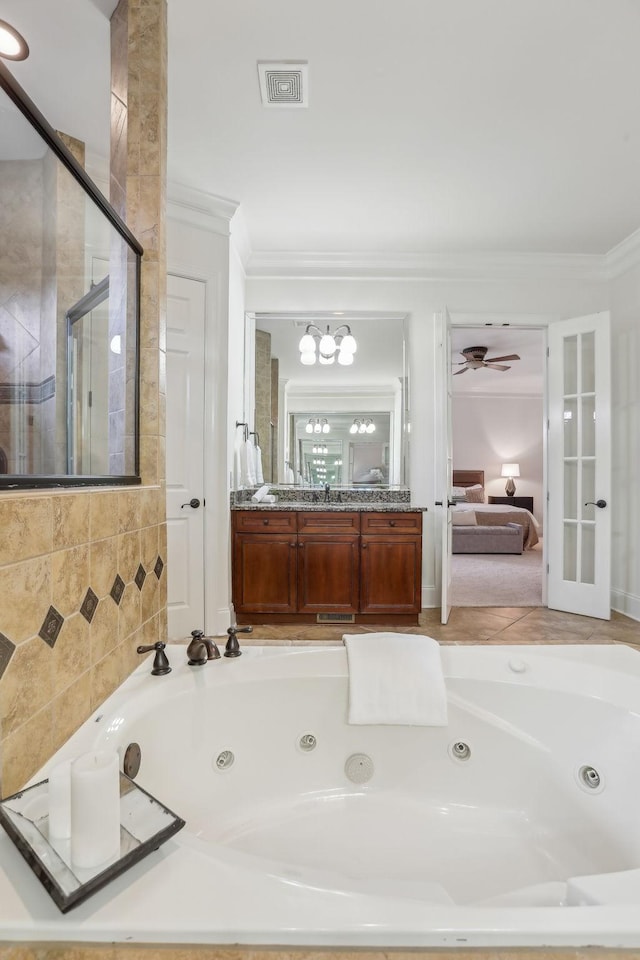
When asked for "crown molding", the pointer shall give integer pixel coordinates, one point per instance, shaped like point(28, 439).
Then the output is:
point(624, 256)
point(415, 266)
point(205, 211)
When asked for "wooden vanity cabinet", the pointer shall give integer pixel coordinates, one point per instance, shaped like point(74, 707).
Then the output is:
point(391, 564)
point(293, 565)
point(328, 562)
point(264, 562)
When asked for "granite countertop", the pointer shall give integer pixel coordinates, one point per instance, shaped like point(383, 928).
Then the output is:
point(370, 507)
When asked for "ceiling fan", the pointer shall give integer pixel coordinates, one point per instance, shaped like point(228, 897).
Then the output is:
point(474, 358)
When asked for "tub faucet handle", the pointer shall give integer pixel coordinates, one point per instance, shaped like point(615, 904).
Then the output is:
point(160, 661)
point(232, 648)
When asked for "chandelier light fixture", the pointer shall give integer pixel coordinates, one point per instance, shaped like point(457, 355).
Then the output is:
point(326, 347)
point(364, 425)
point(317, 425)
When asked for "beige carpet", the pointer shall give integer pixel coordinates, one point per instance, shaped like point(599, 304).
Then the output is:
point(497, 580)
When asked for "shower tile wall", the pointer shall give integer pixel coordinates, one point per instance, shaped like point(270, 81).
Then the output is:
point(74, 603)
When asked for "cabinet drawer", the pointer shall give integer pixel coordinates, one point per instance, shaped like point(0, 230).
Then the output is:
point(259, 521)
point(392, 523)
point(329, 522)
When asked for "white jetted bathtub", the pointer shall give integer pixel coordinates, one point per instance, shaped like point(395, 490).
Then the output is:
point(516, 824)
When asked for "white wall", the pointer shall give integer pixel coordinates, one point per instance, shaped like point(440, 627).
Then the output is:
point(490, 431)
point(421, 299)
point(625, 506)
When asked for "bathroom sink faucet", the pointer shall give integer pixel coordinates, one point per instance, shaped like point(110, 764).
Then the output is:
point(201, 649)
point(327, 492)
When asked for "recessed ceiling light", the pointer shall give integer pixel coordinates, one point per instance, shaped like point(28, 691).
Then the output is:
point(13, 46)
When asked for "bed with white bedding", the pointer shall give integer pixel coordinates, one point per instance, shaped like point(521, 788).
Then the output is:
point(469, 484)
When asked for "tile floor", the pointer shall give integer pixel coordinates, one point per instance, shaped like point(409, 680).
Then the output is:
point(472, 625)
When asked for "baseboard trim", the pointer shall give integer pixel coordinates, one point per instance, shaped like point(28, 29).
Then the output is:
point(625, 603)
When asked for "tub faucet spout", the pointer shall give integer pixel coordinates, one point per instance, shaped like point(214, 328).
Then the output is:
point(201, 649)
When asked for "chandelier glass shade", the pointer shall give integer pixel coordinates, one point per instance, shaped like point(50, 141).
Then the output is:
point(317, 425)
point(362, 425)
point(326, 348)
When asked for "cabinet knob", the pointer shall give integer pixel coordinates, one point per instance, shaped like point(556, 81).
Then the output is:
point(293, 544)
point(265, 523)
point(392, 523)
point(364, 546)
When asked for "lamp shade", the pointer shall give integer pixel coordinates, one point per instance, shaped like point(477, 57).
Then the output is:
point(510, 470)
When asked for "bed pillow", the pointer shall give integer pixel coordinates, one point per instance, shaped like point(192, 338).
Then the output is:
point(464, 518)
point(475, 494)
point(459, 494)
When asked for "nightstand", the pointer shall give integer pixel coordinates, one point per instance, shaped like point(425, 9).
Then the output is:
point(526, 502)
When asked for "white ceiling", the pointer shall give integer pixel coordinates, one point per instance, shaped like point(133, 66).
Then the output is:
point(525, 376)
point(433, 126)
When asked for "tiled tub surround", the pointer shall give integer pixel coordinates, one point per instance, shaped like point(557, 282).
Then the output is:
point(508, 848)
point(82, 583)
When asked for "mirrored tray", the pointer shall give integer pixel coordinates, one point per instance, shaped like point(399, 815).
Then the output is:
point(145, 823)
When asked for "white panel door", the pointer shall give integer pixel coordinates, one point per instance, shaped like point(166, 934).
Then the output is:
point(578, 529)
point(185, 457)
point(445, 447)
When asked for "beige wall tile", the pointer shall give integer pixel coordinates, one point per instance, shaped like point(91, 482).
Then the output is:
point(71, 519)
point(104, 514)
point(128, 555)
point(26, 525)
point(128, 510)
point(26, 749)
point(150, 504)
point(27, 684)
point(71, 709)
point(149, 597)
point(25, 597)
point(69, 578)
point(149, 467)
point(104, 565)
point(103, 632)
point(106, 676)
point(72, 652)
point(149, 541)
point(129, 612)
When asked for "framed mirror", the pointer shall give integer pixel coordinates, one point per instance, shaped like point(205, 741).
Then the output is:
point(358, 411)
point(69, 308)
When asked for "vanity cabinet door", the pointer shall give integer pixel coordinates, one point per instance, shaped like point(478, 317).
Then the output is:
point(328, 573)
point(264, 573)
point(391, 574)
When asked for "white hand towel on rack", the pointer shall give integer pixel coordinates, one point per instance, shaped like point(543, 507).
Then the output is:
point(259, 474)
point(395, 678)
point(246, 466)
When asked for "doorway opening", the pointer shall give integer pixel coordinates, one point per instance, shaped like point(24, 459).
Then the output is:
point(498, 417)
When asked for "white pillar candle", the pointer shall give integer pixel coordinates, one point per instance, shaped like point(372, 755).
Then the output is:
point(60, 801)
point(95, 808)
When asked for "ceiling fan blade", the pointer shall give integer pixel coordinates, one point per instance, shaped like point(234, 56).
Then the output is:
point(460, 363)
point(512, 356)
point(460, 371)
point(496, 366)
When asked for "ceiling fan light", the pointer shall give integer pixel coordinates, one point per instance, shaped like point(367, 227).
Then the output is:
point(13, 46)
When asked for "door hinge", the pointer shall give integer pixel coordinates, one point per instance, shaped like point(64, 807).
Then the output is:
point(90, 398)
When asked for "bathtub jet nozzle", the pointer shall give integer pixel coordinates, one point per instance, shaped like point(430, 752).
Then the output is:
point(232, 648)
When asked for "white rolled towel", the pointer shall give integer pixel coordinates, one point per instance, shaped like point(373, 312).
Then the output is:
point(395, 678)
point(261, 493)
point(269, 498)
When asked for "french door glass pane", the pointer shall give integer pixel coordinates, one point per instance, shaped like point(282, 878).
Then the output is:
point(570, 552)
point(570, 364)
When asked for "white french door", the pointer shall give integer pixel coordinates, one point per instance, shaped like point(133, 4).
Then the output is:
point(444, 443)
point(578, 531)
point(185, 455)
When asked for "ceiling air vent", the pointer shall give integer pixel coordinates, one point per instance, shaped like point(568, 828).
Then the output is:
point(285, 83)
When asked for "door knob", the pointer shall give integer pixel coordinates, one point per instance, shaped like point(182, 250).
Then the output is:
point(596, 503)
point(450, 503)
point(194, 503)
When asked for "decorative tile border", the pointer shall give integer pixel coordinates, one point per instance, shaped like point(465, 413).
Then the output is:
point(28, 392)
point(6, 652)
